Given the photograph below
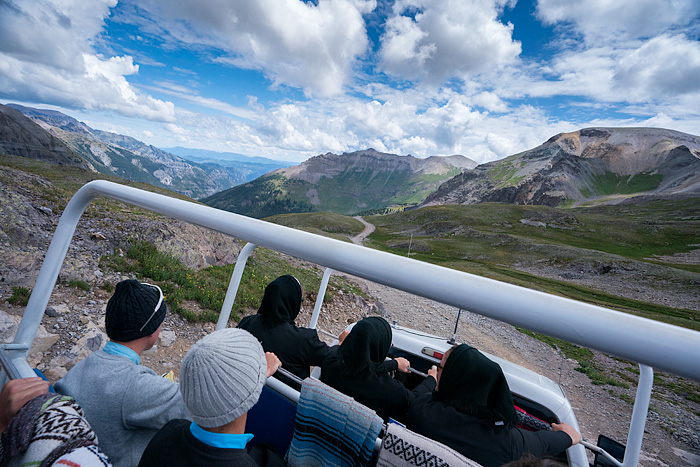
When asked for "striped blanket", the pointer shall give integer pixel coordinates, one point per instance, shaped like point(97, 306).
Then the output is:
point(331, 429)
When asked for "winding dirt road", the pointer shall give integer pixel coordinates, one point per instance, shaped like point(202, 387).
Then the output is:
point(369, 228)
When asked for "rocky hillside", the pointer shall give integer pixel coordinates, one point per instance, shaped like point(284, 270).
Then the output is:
point(131, 159)
point(20, 136)
point(593, 165)
point(346, 184)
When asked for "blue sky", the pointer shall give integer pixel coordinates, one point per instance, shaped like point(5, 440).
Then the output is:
point(288, 79)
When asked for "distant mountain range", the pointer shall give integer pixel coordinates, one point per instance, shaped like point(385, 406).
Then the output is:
point(250, 167)
point(346, 184)
point(128, 158)
point(586, 167)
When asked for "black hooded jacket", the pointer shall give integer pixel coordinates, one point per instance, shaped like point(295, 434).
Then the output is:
point(273, 325)
point(357, 369)
point(472, 412)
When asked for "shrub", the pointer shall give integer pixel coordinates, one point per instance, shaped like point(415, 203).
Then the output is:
point(20, 296)
point(80, 284)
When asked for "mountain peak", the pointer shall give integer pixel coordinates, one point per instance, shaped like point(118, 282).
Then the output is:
point(597, 164)
point(342, 183)
point(20, 136)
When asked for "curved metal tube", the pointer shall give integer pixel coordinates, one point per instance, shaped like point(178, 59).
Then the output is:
point(649, 342)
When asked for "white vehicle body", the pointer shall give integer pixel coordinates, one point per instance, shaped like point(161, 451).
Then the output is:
point(524, 384)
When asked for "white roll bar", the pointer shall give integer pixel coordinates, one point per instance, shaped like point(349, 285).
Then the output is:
point(655, 344)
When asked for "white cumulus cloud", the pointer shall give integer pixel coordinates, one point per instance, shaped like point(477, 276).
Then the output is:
point(446, 39)
point(293, 42)
point(46, 56)
point(604, 20)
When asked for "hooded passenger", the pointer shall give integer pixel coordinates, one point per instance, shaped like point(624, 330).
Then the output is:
point(357, 368)
point(472, 411)
point(274, 326)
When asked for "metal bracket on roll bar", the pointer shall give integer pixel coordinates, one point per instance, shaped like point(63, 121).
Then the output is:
point(10, 369)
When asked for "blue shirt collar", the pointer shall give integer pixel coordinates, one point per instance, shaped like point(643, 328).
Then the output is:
point(220, 440)
point(117, 349)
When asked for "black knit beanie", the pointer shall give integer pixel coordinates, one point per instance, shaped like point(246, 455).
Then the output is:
point(131, 306)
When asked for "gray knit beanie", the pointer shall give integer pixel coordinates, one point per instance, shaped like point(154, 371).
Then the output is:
point(221, 376)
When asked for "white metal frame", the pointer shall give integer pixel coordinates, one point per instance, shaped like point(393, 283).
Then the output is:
point(651, 343)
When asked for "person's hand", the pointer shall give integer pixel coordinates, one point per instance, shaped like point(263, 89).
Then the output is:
point(273, 363)
point(15, 394)
point(433, 372)
point(569, 430)
point(403, 364)
point(342, 336)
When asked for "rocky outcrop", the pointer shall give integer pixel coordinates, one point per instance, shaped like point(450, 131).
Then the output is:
point(593, 164)
point(28, 220)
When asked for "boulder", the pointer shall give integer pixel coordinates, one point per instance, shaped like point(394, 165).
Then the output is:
point(93, 339)
point(166, 338)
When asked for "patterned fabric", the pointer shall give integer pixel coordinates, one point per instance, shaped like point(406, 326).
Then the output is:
point(529, 422)
point(49, 428)
point(331, 429)
point(404, 448)
point(86, 456)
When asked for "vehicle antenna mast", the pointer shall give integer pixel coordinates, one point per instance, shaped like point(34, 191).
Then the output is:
point(454, 334)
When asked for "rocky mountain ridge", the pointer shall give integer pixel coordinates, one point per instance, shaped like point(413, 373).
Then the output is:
point(20, 136)
point(330, 165)
point(342, 183)
point(592, 165)
point(126, 157)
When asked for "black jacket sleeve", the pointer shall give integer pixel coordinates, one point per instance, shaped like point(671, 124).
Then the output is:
point(388, 366)
point(426, 386)
point(540, 443)
point(317, 350)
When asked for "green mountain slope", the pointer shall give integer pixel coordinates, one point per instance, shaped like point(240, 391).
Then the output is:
point(615, 256)
point(344, 184)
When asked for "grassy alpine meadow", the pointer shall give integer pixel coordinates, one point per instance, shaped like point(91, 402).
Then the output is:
point(207, 287)
point(323, 223)
point(497, 240)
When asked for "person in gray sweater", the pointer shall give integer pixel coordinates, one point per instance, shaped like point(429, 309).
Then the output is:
point(126, 403)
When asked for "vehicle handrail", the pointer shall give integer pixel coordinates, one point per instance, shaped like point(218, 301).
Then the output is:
point(10, 369)
point(674, 349)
